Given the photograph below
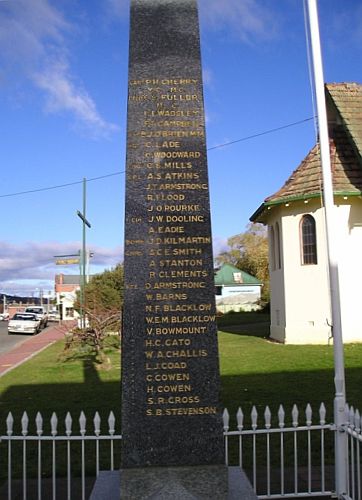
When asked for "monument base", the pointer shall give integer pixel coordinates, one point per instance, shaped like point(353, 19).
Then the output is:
point(174, 483)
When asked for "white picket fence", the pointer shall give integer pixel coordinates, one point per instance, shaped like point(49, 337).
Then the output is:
point(279, 460)
point(354, 433)
point(282, 457)
point(70, 459)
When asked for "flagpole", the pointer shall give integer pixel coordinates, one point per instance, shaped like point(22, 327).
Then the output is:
point(339, 378)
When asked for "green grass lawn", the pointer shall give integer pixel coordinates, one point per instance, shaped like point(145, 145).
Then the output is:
point(254, 371)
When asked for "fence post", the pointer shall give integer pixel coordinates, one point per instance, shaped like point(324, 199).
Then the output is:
point(341, 462)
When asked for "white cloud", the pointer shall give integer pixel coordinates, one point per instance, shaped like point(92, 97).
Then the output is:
point(63, 94)
point(32, 265)
point(219, 245)
point(117, 7)
point(33, 44)
point(247, 19)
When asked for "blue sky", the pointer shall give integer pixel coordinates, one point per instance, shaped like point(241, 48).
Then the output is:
point(63, 90)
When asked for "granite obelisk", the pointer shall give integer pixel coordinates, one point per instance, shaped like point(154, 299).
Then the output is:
point(170, 369)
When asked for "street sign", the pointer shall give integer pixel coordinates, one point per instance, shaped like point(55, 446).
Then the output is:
point(67, 261)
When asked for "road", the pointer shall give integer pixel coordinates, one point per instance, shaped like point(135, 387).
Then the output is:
point(8, 342)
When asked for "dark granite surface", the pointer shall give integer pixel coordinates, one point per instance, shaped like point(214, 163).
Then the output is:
point(170, 370)
point(174, 483)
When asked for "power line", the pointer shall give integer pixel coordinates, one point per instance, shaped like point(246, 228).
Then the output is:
point(58, 186)
point(68, 184)
point(262, 133)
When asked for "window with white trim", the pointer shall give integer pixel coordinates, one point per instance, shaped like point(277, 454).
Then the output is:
point(272, 248)
point(278, 257)
point(308, 240)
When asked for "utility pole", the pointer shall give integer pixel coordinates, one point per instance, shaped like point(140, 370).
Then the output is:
point(332, 245)
point(83, 260)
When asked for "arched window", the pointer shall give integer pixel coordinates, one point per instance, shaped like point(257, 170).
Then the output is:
point(278, 256)
point(272, 248)
point(308, 240)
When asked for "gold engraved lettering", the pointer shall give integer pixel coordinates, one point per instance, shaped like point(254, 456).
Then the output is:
point(192, 319)
point(164, 134)
point(183, 186)
point(199, 273)
point(176, 285)
point(201, 410)
point(176, 154)
point(186, 307)
point(169, 365)
point(173, 388)
point(171, 296)
point(187, 113)
point(181, 176)
point(166, 229)
point(173, 176)
point(186, 251)
point(153, 308)
point(178, 208)
point(179, 97)
point(160, 252)
point(135, 242)
point(177, 342)
point(172, 123)
point(177, 330)
point(153, 343)
point(165, 197)
point(173, 165)
point(181, 240)
point(180, 262)
point(168, 377)
point(190, 411)
point(184, 353)
point(157, 319)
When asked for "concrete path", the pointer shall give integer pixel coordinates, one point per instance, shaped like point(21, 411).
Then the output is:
point(30, 347)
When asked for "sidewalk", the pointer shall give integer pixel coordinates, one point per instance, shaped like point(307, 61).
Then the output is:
point(30, 347)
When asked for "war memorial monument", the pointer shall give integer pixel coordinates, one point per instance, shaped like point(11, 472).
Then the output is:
point(172, 441)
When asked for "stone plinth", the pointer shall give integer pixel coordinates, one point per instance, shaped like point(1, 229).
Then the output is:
point(174, 483)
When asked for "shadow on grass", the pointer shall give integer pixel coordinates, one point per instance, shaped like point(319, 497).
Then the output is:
point(92, 394)
point(261, 329)
point(247, 323)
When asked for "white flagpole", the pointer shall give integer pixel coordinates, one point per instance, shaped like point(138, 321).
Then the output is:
point(339, 379)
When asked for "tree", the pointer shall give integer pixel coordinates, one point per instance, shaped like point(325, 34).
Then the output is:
point(249, 252)
point(103, 299)
point(105, 289)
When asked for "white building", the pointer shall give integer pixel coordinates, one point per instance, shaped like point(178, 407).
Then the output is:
point(236, 290)
point(300, 299)
point(66, 288)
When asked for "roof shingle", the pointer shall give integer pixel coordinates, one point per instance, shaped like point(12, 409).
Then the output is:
point(345, 147)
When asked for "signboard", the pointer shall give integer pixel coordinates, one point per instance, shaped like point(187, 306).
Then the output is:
point(67, 261)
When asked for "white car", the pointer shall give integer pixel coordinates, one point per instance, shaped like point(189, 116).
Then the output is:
point(40, 313)
point(24, 323)
point(4, 316)
point(53, 316)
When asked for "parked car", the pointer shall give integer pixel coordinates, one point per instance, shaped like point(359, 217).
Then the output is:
point(24, 323)
point(4, 316)
point(53, 316)
point(40, 313)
